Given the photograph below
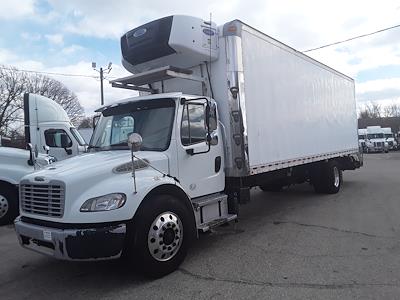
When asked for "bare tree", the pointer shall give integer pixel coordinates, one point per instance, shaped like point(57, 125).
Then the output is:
point(364, 114)
point(14, 83)
point(374, 109)
point(85, 122)
point(393, 110)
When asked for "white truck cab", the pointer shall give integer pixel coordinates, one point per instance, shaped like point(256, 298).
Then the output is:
point(389, 136)
point(47, 124)
point(52, 137)
point(164, 166)
point(362, 138)
point(376, 141)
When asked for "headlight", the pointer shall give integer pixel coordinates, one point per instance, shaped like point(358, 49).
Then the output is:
point(104, 203)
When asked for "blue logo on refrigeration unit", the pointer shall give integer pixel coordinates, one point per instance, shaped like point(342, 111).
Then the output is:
point(139, 32)
point(208, 31)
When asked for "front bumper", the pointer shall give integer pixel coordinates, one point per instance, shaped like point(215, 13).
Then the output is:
point(95, 243)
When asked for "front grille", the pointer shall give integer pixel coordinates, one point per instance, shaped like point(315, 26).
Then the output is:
point(46, 200)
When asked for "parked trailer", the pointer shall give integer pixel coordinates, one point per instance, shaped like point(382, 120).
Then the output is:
point(180, 160)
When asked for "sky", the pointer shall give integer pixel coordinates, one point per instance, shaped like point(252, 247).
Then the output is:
point(66, 36)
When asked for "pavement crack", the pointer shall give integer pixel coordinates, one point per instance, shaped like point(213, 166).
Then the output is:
point(332, 286)
point(332, 228)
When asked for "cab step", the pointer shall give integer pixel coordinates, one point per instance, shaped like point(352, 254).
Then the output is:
point(211, 211)
point(208, 200)
point(217, 222)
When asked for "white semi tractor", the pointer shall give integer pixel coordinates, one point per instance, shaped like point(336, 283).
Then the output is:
point(180, 160)
point(362, 139)
point(51, 136)
point(376, 141)
point(390, 139)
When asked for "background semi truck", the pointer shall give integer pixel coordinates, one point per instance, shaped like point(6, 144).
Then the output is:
point(376, 139)
point(362, 139)
point(390, 139)
point(228, 108)
point(52, 137)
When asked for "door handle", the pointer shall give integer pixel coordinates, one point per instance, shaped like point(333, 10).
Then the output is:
point(217, 165)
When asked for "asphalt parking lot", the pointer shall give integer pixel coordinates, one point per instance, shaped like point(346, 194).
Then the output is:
point(294, 244)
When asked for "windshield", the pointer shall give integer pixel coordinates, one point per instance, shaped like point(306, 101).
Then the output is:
point(361, 137)
point(78, 136)
point(388, 135)
point(375, 136)
point(152, 119)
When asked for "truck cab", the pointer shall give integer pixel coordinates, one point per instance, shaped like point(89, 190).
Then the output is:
point(376, 141)
point(51, 136)
point(390, 139)
point(362, 137)
point(47, 124)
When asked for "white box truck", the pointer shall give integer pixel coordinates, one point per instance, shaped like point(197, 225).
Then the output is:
point(180, 160)
point(51, 136)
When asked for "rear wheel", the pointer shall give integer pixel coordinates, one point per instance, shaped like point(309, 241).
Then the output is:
point(8, 204)
point(163, 231)
point(327, 178)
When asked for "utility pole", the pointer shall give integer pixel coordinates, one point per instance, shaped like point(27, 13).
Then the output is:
point(101, 86)
point(101, 71)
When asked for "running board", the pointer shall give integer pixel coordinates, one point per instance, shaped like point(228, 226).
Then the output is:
point(207, 226)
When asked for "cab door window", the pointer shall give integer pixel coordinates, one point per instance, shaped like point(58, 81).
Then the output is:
point(53, 138)
point(193, 126)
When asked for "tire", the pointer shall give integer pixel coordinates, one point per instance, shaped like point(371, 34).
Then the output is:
point(162, 231)
point(8, 204)
point(327, 178)
point(271, 187)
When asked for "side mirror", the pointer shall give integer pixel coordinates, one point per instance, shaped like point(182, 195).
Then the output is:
point(32, 157)
point(213, 139)
point(46, 149)
point(135, 141)
point(64, 141)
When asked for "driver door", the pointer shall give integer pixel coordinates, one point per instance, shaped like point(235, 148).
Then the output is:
point(200, 162)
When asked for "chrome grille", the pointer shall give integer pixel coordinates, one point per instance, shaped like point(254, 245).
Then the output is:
point(46, 200)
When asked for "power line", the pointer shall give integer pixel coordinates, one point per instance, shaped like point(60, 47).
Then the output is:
point(353, 38)
point(49, 73)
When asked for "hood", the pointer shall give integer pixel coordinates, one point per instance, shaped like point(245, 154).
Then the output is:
point(98, 164)
point(20, 156)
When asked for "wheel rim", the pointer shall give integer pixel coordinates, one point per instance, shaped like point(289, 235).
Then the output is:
point(336, 176)
point(3, 206)
point(165, 236)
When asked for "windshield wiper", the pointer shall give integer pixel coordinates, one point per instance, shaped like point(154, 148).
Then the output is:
point(93, 147)
point(125, 143)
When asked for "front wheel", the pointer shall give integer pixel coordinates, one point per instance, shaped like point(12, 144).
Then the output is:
point(163, 230)
point(8, 204)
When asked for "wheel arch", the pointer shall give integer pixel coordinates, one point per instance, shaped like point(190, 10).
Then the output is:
point(9, 184)
point(174, 191)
